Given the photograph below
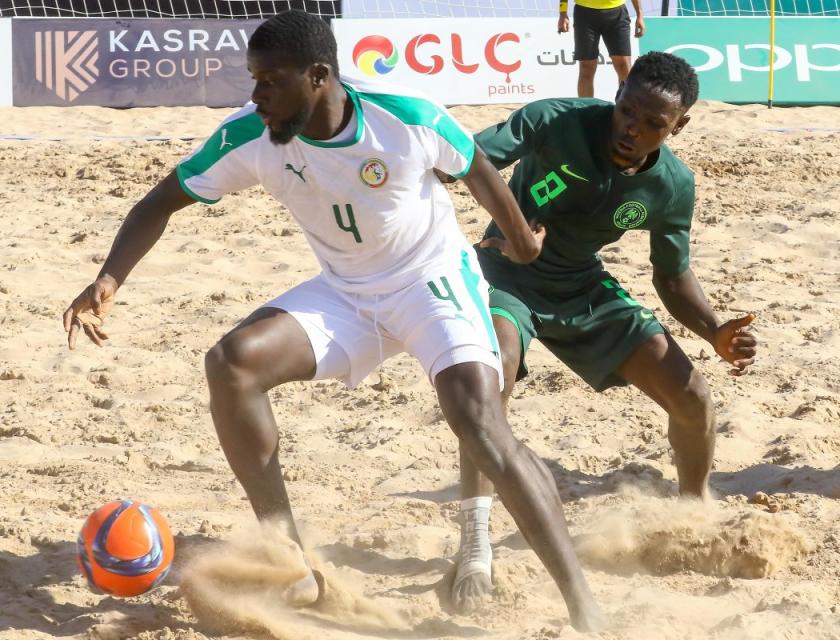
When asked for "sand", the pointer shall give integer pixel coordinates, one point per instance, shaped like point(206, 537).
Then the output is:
point(373, 472)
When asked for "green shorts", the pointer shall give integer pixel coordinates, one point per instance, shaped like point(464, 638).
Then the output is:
point(593, 333)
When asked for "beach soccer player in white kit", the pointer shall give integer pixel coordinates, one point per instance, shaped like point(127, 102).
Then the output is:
point(354, 164)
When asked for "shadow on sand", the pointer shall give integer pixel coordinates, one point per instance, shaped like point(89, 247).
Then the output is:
point(28, 601)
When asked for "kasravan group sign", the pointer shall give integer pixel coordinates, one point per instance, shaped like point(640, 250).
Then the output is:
point(130, 63)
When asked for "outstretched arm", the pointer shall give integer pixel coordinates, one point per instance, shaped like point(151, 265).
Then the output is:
point(139, 232)
point(686, 302)
point(521, 243)
point(143, 227)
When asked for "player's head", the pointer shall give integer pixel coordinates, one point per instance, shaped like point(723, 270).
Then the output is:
point(292, 58)
point(651, 105)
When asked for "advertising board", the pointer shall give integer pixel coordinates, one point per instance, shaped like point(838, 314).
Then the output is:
point(732, 56)
point(5, 62)
point(464, 61)
point(130, 62)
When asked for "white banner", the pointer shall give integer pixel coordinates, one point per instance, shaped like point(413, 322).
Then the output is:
point(5, 62)
point(460, 9)
point(470, 61)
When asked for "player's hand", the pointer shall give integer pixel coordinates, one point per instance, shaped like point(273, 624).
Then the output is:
point(507, 249)
point(640, 27)
point(563, 23)
point(87, 312)
point(735, 344)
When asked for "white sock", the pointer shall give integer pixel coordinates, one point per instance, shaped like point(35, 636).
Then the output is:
point(476, 554)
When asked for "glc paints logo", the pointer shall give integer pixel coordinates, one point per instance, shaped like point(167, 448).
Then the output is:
point(65, 61)
point(375, 55)
point(435, 63)
point(429, 54)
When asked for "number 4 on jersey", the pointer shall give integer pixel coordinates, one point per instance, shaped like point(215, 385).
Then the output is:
point(350, 227)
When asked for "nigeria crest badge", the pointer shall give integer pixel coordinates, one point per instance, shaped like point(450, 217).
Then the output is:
point(629, 215)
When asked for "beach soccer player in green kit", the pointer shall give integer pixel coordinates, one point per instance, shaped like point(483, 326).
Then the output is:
point(589, 172)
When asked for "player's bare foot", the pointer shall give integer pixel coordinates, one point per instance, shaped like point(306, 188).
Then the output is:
point(306, 591)
point(588, 618)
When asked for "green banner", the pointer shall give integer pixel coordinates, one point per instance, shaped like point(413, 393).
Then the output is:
point(732, 56)
point(755, 8)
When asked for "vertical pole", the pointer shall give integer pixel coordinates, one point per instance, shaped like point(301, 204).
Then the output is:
point(772, 53)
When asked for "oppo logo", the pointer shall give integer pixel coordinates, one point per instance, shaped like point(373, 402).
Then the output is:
point(732, 57)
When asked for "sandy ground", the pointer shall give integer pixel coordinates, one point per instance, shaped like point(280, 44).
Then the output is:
point(373, 472)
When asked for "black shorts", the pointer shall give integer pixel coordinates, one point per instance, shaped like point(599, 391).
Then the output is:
point(590, 25)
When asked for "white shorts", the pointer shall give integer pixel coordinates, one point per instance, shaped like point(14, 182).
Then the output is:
point(442, 320)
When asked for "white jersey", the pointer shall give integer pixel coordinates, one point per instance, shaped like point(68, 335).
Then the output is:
point(369, 204)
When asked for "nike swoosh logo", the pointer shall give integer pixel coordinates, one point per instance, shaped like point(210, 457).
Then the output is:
point(565, 169)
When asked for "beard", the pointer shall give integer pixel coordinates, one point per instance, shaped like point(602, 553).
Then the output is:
point(284, 132)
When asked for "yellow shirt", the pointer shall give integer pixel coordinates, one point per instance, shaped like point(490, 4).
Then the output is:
point(593, 4)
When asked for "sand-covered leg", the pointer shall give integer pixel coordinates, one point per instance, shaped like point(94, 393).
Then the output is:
point(473, 575)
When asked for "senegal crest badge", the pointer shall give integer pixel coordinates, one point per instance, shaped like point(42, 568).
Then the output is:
point(373, 173)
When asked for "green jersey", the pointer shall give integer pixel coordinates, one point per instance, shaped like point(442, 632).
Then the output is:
point(565, 180)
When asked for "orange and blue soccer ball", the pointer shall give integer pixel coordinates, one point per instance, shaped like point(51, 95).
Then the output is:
point(125, 548)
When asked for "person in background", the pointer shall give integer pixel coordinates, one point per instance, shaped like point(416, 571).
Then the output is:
point(596, 19)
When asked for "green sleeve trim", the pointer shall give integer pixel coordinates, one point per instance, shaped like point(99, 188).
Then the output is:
point(228, 137)
point(192, 194)
point(470, 159)
point(417, 111)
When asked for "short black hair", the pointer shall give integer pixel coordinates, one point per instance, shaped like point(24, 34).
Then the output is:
point(667, 72)
point(304, 37)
